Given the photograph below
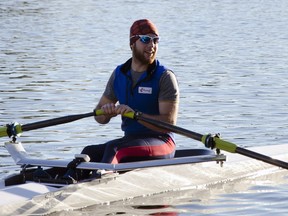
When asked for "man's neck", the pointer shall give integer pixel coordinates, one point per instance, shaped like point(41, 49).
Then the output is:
point(138, 66)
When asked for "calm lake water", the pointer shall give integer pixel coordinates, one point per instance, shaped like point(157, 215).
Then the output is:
point(230, 58)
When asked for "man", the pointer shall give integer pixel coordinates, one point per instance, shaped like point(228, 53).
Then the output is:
point(141, 84)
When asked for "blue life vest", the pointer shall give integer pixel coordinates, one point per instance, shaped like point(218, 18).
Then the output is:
point(143, 96)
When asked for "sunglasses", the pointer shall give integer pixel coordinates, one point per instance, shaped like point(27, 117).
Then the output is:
point(146, 39)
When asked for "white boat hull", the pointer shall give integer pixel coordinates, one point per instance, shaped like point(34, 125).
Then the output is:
point(139, 182)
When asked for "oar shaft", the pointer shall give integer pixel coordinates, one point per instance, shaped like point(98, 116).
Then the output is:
point(55, 121)
point(172, 128)
point(221, 144)
point(3, 131)
point(261, 157)
point(16, 129)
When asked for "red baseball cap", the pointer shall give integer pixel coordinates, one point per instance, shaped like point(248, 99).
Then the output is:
point(142, 27)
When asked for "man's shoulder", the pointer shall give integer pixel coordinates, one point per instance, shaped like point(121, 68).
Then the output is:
point(168, 74)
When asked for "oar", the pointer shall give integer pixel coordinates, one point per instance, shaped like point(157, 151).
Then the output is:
point(15, 129)
point(209, 141)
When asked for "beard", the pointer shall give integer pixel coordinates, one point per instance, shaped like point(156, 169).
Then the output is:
point(142, 58)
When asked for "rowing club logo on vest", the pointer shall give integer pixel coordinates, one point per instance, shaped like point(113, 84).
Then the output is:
point(144, 90)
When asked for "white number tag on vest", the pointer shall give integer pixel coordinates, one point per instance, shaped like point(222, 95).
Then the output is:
point(144, 90)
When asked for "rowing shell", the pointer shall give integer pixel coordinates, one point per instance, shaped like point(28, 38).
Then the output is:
point(38, 198)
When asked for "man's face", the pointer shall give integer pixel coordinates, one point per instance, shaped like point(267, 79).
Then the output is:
point(145, 49)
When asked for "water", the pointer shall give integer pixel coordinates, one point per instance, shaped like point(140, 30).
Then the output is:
point(230, 58)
